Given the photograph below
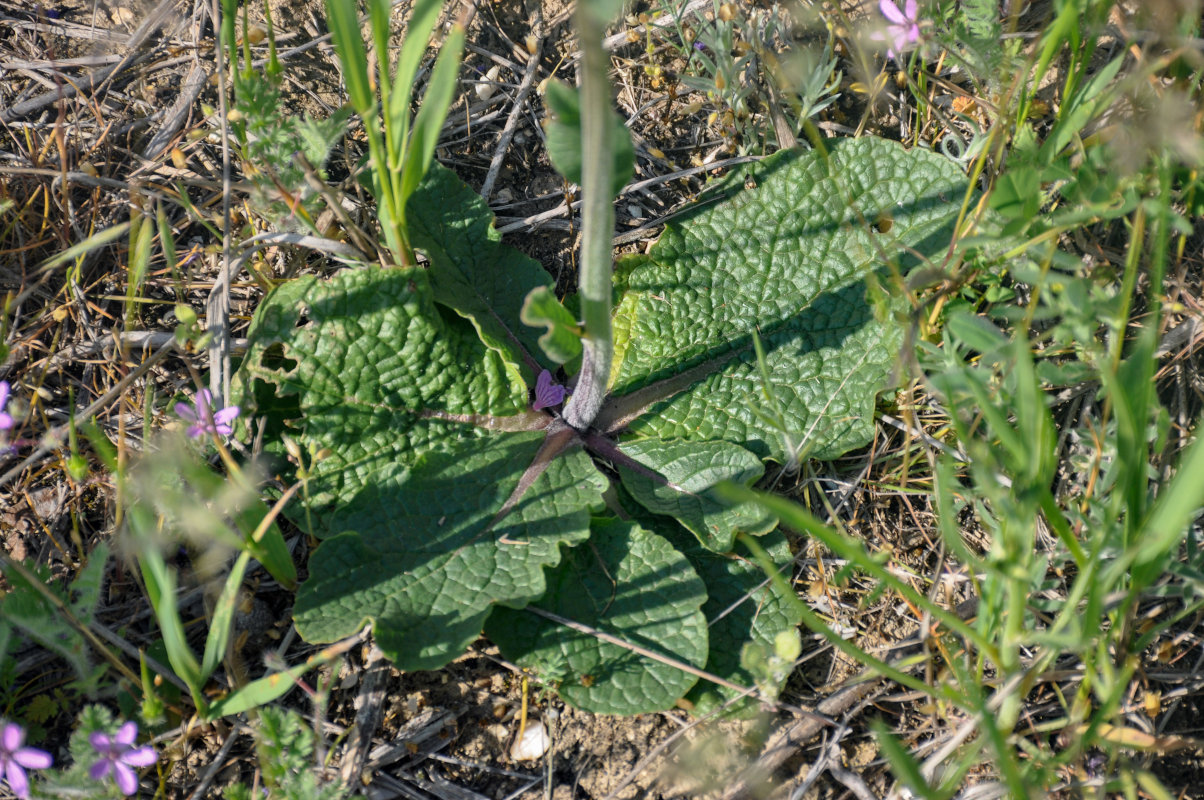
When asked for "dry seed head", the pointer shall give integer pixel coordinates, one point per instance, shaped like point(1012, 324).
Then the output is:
point(727, 12)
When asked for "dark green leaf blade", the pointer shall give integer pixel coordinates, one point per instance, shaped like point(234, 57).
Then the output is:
point(426, 568)
point(631, 584)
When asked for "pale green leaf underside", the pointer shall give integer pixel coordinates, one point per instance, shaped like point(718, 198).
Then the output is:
point(631, 584)
point(693, 468)
point(788, 257)
point(561, 340)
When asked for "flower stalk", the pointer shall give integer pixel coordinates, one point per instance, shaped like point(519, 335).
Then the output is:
point(597, 209)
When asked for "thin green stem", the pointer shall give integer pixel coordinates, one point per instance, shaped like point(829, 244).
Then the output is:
point(598, 225)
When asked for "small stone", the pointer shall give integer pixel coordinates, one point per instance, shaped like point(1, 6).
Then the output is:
point(532, 744)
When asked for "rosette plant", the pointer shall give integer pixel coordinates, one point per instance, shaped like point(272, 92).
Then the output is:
point(586, 539)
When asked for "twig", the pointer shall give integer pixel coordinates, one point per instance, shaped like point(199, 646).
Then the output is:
point(219, 761)
point(177, 115)
point(315, 182)
point(852, 782)
point(124, 342)
point(512, 121)
point(370, 708)
point(152, 22)
point(218, 305)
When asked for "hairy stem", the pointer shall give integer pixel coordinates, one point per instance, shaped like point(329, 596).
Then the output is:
point(598, 224)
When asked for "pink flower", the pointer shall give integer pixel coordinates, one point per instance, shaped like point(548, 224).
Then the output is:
point(118, 755)
point(203, 418)
point(6, 420)
point(15, 759)
point(547, 393)
point(904, 30)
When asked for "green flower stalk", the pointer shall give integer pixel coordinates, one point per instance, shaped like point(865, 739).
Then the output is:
point(597, 208)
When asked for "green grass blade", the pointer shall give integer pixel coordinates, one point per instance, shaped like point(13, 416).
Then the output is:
point(266, 689)
point(906, 768)
point(1178, 505)
point(222, 623)
point(100, 239)
point(142, 235)
point(429, 121)
point(800, 519)
point(161, 590)
point(345, 31)
point(418, 34)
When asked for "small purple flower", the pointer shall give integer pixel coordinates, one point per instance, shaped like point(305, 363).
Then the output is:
point(547, 393)
point(904, 30)
point(15, 759)
point(118, 755)
point(6, 420)
point(203, 418)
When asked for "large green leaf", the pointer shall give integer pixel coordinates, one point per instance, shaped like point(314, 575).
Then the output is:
point(788, 257)
point(427, 572)
point(629, 583)
point(425, 433)
point(471, 270)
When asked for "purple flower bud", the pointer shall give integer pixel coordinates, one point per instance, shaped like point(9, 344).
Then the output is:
point(547, 393)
